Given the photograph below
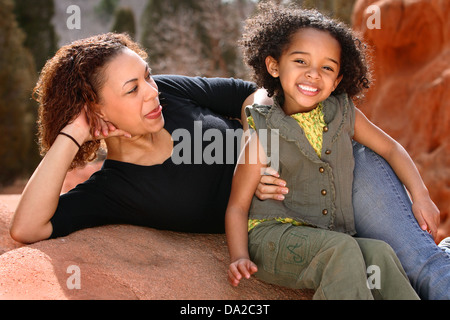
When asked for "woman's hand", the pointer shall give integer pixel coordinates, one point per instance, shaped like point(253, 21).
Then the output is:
point(271, 186)
point(427, 215)
point(239, 269)
point(85, 128)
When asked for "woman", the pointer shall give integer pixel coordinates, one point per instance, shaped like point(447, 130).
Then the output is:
point(97, 85)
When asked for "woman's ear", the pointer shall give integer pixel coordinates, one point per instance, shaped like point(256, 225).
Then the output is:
point(272, 67)
point(94, 113)
point(98, 111)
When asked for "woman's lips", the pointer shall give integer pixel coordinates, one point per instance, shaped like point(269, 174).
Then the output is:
point(155, 114)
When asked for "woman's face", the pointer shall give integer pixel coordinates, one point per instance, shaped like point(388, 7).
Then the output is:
point(129, 97)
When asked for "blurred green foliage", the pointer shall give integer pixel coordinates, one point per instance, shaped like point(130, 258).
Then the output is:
point(195, 37)
point(124, 22)
point(35, 19)
point(106, 9)
point(17, 77)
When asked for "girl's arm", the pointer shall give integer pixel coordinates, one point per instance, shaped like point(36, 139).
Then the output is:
point(270, 185)
point(39, 200)
point(245, 181)
point(425, 211)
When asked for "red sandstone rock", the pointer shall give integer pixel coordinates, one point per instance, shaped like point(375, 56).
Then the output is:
point(123, 262)
point(411, 96)
point(8, 203)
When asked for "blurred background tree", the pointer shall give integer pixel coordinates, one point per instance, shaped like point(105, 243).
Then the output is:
point(195, 37)
point(106, 8)
point(338, 9)
point(124, 22)
point(17, 77)
point(34, 18)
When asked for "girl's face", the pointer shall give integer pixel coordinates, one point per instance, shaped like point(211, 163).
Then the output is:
point(308, 69)
point(129, 97)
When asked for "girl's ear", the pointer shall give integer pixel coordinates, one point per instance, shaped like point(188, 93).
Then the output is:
point(337, 81)
point(272, 66)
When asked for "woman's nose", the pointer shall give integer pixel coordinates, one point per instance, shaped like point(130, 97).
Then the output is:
point(151, 90)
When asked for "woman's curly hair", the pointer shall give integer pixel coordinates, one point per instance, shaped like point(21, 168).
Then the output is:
point(73, 79)
point(269, 33)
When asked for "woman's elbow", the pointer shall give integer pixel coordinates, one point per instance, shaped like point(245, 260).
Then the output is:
point(27, 234)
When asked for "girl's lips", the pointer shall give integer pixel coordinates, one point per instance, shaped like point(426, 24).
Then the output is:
point(155, 114)
point(308, 90)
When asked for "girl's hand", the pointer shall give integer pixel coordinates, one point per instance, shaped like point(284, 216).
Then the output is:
point(271, 186)
point(240, 268)
point(427, 215)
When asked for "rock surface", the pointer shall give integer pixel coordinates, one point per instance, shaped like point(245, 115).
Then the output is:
point(123, 262)
point(411, 96)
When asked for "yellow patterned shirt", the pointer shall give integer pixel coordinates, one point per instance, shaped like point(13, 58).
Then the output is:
point(312, 123)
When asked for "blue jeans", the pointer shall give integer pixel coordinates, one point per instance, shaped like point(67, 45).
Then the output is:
point(383, 211)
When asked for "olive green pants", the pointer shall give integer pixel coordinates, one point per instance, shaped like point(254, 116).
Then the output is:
point(335, 265)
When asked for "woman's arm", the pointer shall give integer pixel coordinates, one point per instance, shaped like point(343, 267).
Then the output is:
point(39, 200)
point(224, 96)
point(31, 222)
point(244, 184)
point(425, 211)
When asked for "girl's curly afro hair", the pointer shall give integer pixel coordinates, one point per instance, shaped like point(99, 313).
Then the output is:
point(269, 33)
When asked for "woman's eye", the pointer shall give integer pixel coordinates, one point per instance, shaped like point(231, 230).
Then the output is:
point(132, 91)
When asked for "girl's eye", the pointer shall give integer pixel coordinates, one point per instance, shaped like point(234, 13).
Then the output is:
point(300, 61)
point(329, 69)
point(148, 76)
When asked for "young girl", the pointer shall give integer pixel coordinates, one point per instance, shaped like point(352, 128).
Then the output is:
point(313, 66)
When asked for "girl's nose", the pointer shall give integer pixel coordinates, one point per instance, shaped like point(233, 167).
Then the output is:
point(312, 73)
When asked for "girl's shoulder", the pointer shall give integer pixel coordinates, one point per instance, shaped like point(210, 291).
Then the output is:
point(262, 109)
point(256, 115)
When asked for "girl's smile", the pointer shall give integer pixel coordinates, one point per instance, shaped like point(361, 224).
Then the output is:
point(308, 90)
